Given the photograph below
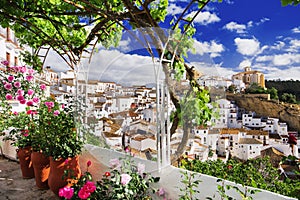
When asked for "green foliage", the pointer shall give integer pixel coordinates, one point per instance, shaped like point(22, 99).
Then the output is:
point(190, 185)
point(256, 89)
point(258, 173)
point(113, 184)
point(288, 98)
point(158, 10)
point(285, 86)
point(57, 135)
point(290, 2)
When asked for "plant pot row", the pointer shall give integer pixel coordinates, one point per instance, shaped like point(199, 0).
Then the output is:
point(48, 173)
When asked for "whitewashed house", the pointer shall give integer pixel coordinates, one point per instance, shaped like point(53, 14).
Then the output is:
point(248, 148)
point(143, 142)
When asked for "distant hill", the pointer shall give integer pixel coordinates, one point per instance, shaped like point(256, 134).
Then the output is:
point(289, 86)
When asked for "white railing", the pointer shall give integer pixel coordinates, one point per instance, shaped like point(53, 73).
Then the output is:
point(171, 177)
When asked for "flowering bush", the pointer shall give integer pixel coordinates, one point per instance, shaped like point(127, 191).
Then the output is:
point(126, 180)
point(17, 84)
point(57, 135)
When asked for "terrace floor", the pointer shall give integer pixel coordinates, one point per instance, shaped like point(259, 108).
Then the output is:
point(14, 187)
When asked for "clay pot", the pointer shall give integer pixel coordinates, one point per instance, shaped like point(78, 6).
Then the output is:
point(24, 155)
point(41, 166)
point(57, 179)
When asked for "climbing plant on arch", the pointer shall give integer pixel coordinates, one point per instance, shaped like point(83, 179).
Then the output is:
point(62, 26)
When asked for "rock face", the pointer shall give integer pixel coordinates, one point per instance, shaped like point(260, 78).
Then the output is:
point(289, 113)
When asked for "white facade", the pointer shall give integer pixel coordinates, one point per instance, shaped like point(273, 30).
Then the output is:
point(142, 143)
point(248, 148)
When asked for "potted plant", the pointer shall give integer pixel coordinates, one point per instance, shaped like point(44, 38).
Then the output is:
point(19, 98)
point(125, 180)
point(59, 140)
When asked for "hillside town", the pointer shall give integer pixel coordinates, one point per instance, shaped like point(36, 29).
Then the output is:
point(127, 116)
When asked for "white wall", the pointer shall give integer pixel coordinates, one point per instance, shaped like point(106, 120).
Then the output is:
point(171, 177)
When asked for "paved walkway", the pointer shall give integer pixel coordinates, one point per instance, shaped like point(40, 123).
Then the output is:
point(14, 187)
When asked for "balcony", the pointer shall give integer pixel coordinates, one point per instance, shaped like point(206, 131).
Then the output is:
point(14, 187)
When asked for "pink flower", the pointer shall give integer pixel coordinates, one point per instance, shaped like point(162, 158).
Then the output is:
point(17, 84)
point(43, 87)
point(161, 191)
point(82, 194)
point(8, 86)
point(115, 163)
point(20, 98)
point(8, 97)
point(141, 168)
point(10, 78)
point(66, 192)
point(62, 106)
point(29, 78)
point(66, 161)
point(127, 149)
point(49, 104)
point(55, 113)
point(15, 113)
point(88, 163)
point(23, 101)
point(35, 99)
point(5, 62)
point(89, 187)
point(30, 92)
point(31, 71)
point(22, 69)
point(25, 133)
point(20, 92)
point(125, 178)
point(29, 103)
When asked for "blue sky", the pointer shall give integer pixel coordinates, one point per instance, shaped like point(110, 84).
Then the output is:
point(230, 36)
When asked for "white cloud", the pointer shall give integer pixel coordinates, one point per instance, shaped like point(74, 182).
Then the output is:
point(125, 69)
point(248, 47)
point(286, 59)
point(263, 20)
point(296, 29)
point(245, 63)
point(284, 74)
point(212, 48)
point(295, 45)
point(233, 26)
point(205, 17)
point(173, 9)
point(278, 45)
point(264, 58)
point(212, 69)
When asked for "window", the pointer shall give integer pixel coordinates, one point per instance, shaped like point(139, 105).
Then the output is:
point(8, 58)
point(16, 61)
point(250, 148)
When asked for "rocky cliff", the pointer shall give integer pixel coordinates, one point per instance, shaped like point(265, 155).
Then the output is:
point(289, 113)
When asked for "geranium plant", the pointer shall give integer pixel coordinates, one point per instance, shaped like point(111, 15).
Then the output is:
point(17, 85)
point(57, 136)
point(125, 180)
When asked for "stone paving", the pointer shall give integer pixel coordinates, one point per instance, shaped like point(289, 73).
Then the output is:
point(14, 187)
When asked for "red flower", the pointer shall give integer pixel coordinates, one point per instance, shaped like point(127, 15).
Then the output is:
point(107, 174)
point(88, 163)
point(229, 166)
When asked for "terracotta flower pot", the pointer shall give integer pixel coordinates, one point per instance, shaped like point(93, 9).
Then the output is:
point(24, 155)
point(57, 179)
point(41, 166)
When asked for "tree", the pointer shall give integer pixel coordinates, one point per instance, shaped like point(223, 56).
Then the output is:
point(62, 26)
point(273, 93)
point(288, 98)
